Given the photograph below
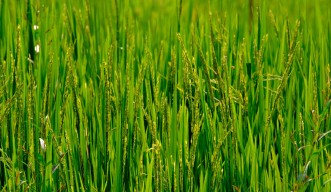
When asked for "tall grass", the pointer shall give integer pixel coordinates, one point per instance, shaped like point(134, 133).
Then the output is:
point(165, 96)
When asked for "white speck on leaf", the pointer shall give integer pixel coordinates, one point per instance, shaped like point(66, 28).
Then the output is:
point(22, 182)
point(42, 144)
point(37, 48)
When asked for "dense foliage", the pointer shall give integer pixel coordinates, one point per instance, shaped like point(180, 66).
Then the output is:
point(172, 95)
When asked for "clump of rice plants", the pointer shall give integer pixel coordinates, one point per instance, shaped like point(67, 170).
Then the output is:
point(165, 95)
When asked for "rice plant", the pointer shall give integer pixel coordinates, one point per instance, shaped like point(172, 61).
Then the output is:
point(166, 95)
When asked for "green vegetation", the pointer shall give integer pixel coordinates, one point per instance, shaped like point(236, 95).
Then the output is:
point(165, 95)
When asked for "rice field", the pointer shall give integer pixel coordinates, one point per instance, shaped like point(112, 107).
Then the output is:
point(172, 95)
